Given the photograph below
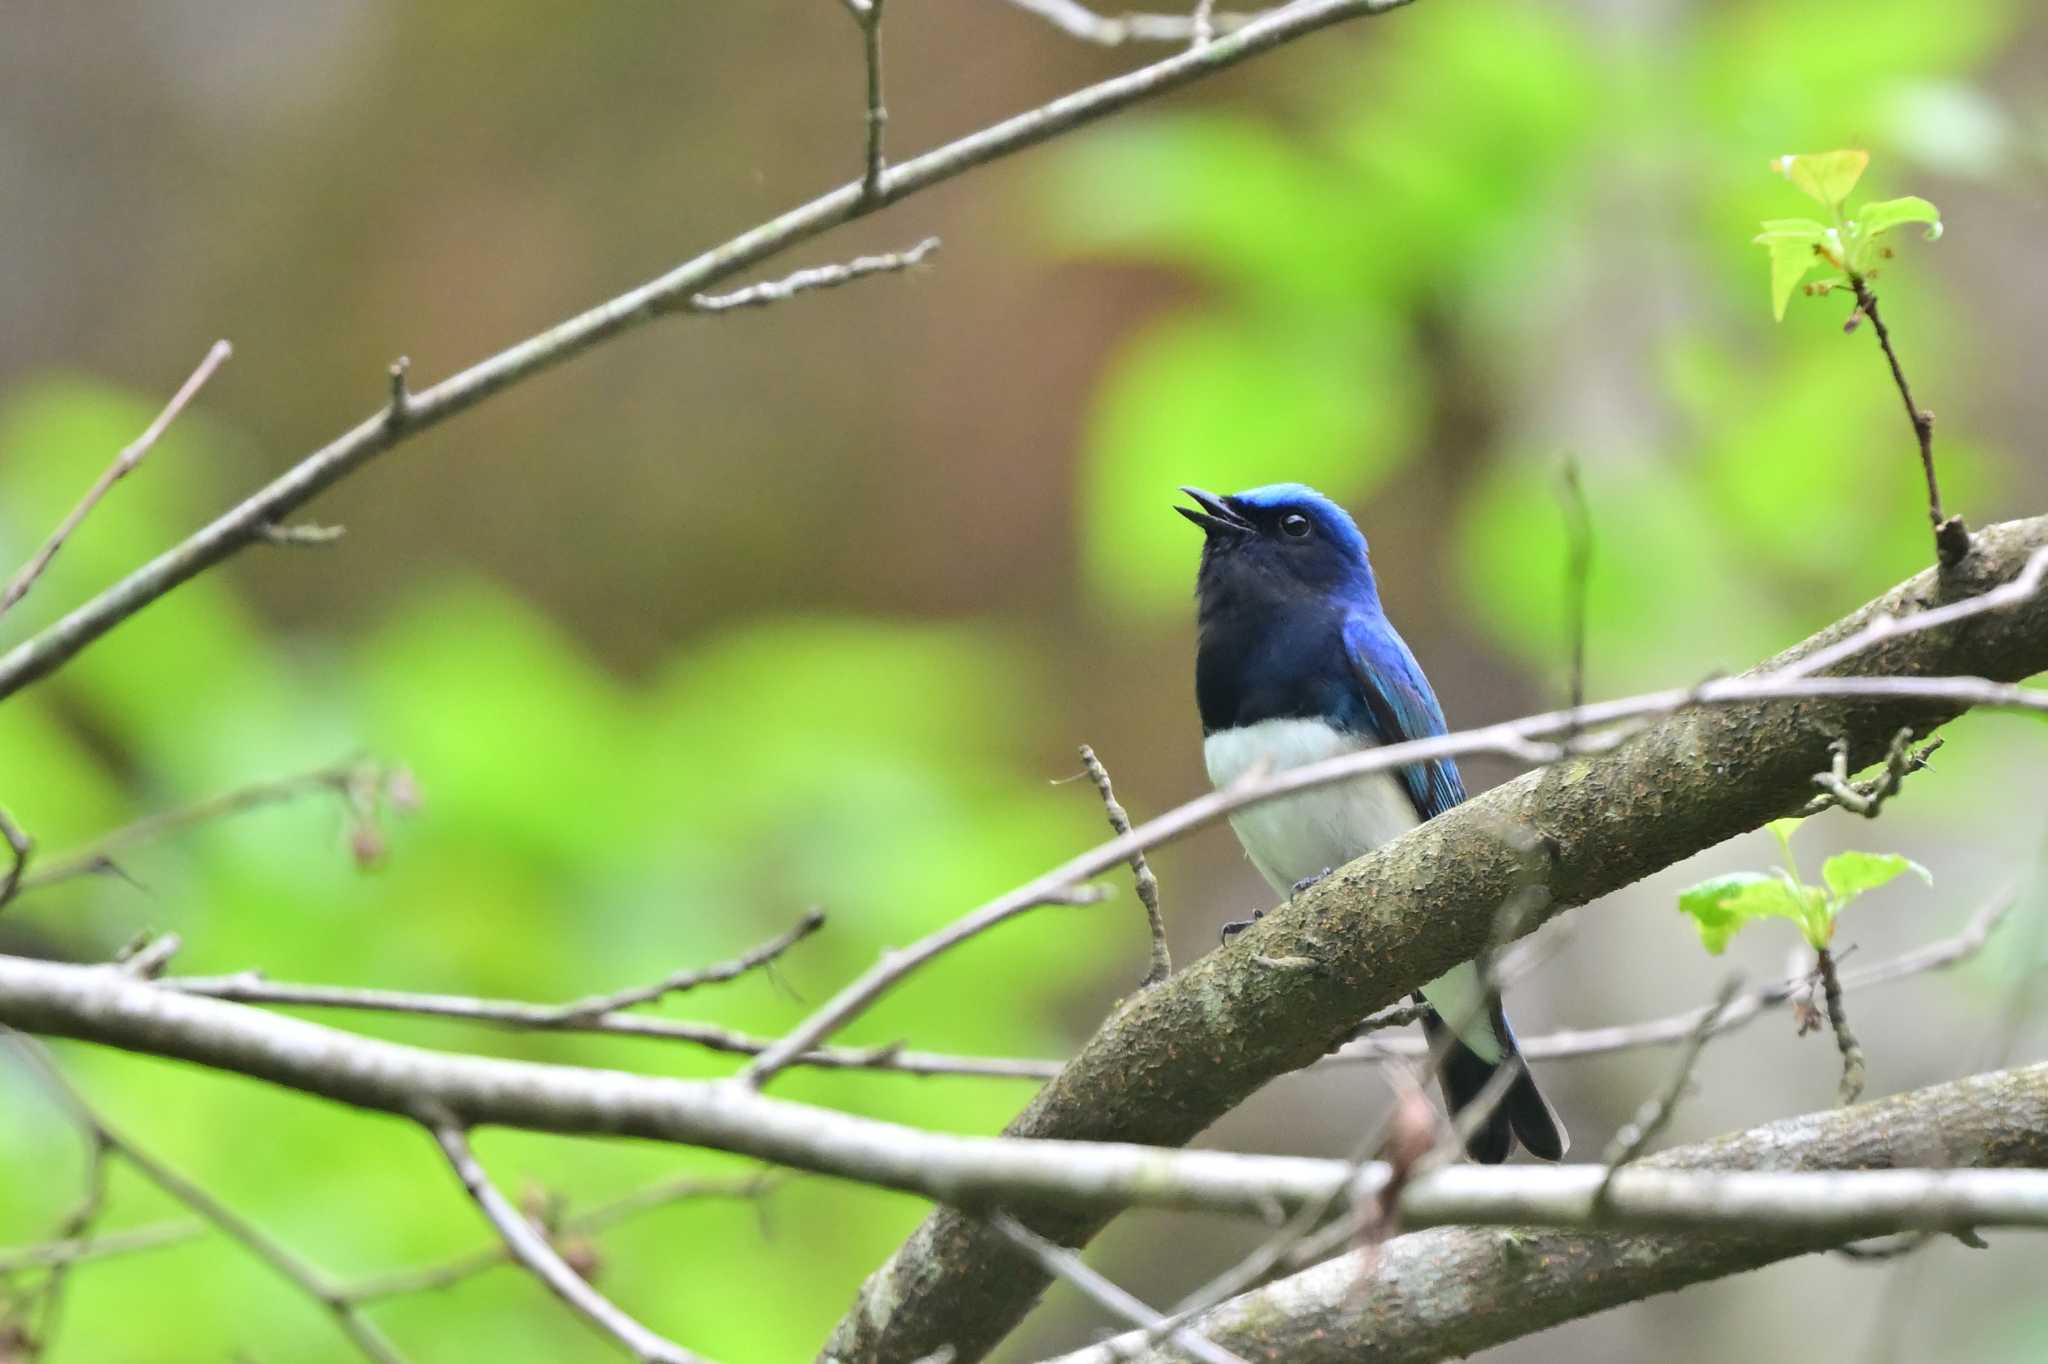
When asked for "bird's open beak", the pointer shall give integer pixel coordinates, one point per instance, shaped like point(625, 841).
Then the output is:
point(1217, 516)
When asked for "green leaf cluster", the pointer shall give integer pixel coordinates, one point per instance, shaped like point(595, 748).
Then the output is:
point(1720, 907)
point(1851, 246)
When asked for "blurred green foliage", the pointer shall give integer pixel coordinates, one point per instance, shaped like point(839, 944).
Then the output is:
point(577, 834)
point(1371, 262)
point(1375, 262)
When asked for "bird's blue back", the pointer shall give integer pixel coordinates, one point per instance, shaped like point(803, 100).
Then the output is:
point(1400, 706)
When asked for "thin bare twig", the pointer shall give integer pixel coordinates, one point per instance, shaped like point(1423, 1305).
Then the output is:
point(867, 14)
point(1845, 1040)
point(1568, 1044)
point(754, 959)
point(1879, 628)
point(147, 957)
point(1141, 870)
point(355, 782)
point(1414, 1134)
point(447, 1273)
point(1656, 1112)
point(398, 409)
point(252, 987)
point(1290, 1240)
point(1951, 537)
point(1509, 964)
point(1441, 1145)
point(20, 848)
point(76, 1229)
point(854, 999)
point(240, 526)
point(1891, 1248)
point(526, 1245)
point(815, 277)
point(1867, 798)
point(1400, 1016)
point(124, 463)
point(104, 1246)
point(1078, 21)
point(1062, 1263)
point(259, 1243)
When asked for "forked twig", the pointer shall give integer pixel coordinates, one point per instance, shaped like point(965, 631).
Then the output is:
point(1141, 870)
point(259, 1243)
point(531, 1249)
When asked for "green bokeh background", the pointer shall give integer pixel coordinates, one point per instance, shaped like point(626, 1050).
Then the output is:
point(810, 607)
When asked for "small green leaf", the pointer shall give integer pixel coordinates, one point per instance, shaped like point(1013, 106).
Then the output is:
point(1886, 214)
point(1817, 916)
point(1849, 874)
point(1785, 898)
point(1791, 258)
point(1724, 904)
point(1825, 176)
point(1706, 903)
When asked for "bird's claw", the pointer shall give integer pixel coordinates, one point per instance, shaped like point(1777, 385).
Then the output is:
point(1306, 882)
point(1237, 926)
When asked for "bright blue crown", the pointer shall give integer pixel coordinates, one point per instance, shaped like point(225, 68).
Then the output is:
point(1333, 518)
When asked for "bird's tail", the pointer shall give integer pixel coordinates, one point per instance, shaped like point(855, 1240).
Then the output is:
point(1521, 1113)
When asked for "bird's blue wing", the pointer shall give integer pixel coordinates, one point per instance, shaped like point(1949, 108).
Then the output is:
point(1399, 706)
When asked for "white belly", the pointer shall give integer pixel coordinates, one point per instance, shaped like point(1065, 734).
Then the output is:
point(1300, 836)
point(1297, 837)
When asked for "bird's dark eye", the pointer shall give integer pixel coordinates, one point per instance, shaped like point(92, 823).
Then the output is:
point(1295, 526)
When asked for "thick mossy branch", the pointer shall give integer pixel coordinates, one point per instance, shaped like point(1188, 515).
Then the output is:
point(1172, 1060)
point(1454, 1291)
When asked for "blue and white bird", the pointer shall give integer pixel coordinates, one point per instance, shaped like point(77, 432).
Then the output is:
point(1297, 662)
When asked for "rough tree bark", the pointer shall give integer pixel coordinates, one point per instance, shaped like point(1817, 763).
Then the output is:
point(1455, 1290)
point(1172, 1059)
